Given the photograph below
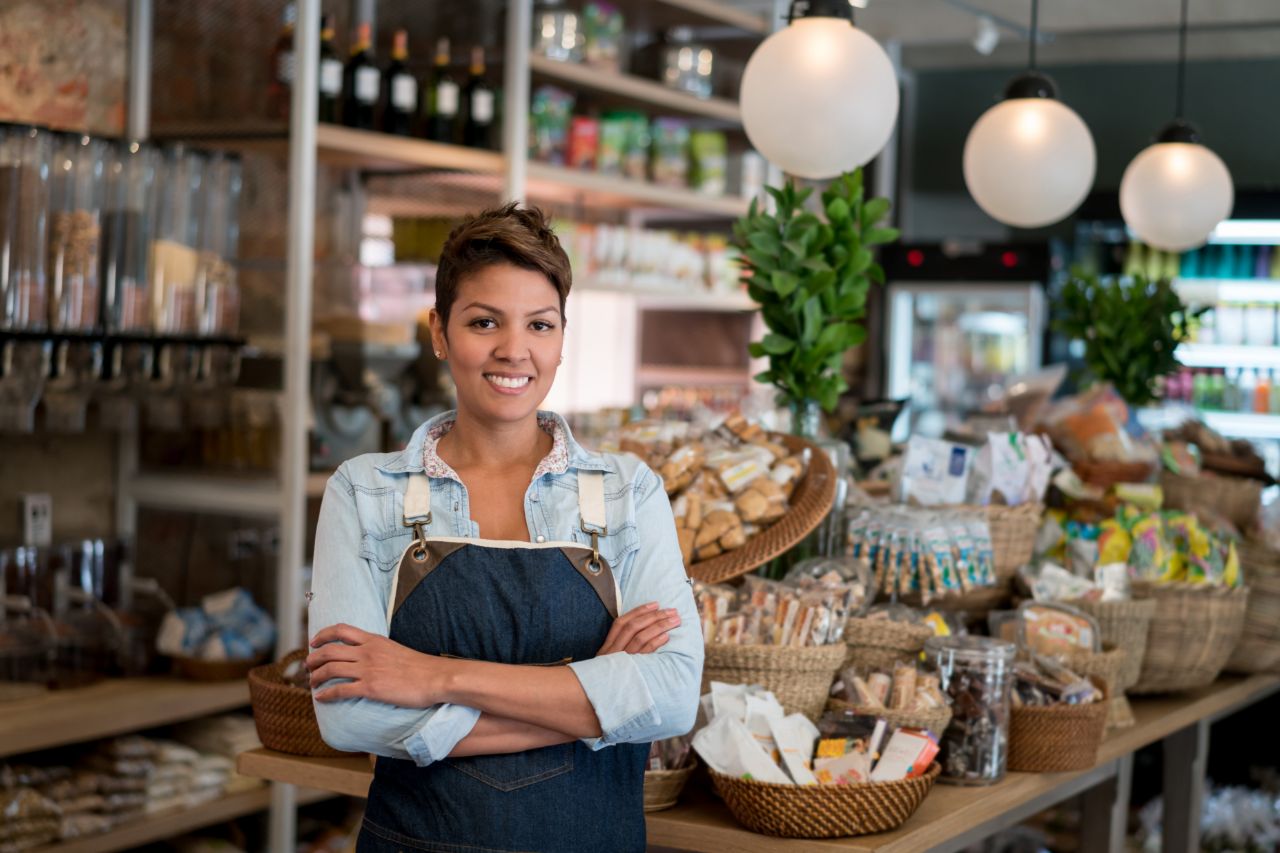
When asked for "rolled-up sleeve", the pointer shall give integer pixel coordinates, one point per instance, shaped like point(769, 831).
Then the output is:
point(349, 589)
point(641, 698)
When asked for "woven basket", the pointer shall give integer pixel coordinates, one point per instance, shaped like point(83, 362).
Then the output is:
point(1056, 738)
point(1105, 666)
point(823, 811)
point(662, 787)
point(283, 714)
point(1193, 632)
point(1107, 474)
point(800, 677)
point(935, 719)
point(196, 669)
point(881, 643)
point(1013, 536)
point(810, 503)
point(1123, 625)
point(1234, 498)
point(1259, 646)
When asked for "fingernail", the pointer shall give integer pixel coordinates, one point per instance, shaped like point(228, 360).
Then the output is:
point(651, 605)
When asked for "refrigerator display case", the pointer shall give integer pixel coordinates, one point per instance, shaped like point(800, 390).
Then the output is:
point(960, 325)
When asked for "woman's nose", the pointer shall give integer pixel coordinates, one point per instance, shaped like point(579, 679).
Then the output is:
point(511, 346)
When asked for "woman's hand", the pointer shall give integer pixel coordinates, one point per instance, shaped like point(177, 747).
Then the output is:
point(639, 631)
point(379, 668)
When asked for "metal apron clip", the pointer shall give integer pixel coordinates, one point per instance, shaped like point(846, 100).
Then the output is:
point(591, 507)
point(417, 513)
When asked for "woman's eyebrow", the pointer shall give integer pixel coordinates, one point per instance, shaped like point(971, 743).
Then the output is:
point(494, 310)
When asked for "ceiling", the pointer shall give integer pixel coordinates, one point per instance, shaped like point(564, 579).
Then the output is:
point(940, 33)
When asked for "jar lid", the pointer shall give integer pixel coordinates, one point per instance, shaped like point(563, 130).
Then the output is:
point(972, 648)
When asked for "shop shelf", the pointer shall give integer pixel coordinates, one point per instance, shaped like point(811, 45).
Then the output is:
point(112, 707)
point(460, 166)
point(174, 822)
point(675, 300)
point(1224, 355)
point(636, 90)
point(662, 374)
point(349, 775)
point(594, 189)
point(714, 12)
point(1214, 290)
point(228, 495)
point(1243, 425)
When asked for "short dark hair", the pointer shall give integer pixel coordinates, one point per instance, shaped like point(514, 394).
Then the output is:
point(520, 236)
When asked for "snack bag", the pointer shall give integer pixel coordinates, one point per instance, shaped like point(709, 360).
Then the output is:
point(1150, 555)
point(1114, 543)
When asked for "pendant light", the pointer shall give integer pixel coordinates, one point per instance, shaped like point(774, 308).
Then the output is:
point(1029, 160)
point(820, 96)
point(1176, 191)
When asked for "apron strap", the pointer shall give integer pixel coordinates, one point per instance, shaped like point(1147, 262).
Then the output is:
point(591, 508)
point(417, 500)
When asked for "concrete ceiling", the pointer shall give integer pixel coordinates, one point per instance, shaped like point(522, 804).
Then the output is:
point(940, 33)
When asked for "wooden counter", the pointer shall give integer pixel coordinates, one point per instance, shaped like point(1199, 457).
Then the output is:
point(949, 819)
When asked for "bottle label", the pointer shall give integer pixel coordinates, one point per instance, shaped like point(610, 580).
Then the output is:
point(366, 85)
point(284, 68)
point(330, 77)
point(404, 93)
point(482, 106)
point(447, 98)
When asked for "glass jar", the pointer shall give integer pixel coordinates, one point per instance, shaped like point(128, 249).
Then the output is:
point(24, 208)
point(217, 294)
point(125, 253)
point(977, 675)
point(686, 64)
point(73, 268)
point(174, 255)
point(557, 32)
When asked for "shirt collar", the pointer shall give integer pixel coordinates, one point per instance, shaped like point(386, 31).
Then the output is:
point(419, 454)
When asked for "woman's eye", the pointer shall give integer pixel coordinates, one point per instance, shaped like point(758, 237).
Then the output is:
point(542, 326)
point(480, 321)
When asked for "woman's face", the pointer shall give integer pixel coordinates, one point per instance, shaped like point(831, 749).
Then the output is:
point(504, 341)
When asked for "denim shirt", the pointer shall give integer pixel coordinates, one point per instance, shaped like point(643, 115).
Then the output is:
point(359, 541)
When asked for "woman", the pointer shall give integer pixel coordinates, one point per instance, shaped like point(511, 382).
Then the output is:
point(467, 590)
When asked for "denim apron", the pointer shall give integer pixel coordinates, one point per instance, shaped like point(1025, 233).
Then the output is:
point(513, 603)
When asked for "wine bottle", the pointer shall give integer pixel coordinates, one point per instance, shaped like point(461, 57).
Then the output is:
point(477, 129)
point(442, 98)
point(362, 82)
point(399, 89)
point(330, 74)
point(280, 89)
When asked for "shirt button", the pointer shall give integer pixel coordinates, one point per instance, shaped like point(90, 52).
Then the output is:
point(540, 539)
point(534, 497)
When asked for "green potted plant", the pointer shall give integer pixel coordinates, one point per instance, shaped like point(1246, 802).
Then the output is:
point(1130, 328)
point(810, 276)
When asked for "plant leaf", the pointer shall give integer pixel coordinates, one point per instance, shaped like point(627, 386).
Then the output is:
point(880, 236)
point(873, 210)
point(784, 283)
point(775, 344)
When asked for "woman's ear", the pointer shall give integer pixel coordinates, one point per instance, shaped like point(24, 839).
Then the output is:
point(439, 342)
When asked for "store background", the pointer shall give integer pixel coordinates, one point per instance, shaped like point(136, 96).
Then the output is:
point(63, 64)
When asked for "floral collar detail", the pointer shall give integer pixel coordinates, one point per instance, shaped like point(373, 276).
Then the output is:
point(555, 462)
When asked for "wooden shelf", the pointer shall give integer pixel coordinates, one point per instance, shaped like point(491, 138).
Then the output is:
point(716, 12)
point(461, 167)
point(351, 775)
point(111, 707)
point(675, 300)
point(661, 374)
point(168, 824)
point(636, 90)
point(228, 495)
point(594, 189)
point(949, 813)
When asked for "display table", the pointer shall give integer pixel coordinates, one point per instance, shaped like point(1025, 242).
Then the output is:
point(950, 818)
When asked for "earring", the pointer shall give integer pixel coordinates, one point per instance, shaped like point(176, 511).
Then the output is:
point(439, 355)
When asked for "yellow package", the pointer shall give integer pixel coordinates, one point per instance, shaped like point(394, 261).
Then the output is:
point(1114, 543)
point(1231, 572)
point(1150, 555)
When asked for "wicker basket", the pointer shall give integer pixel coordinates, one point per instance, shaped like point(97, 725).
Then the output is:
point(1234, 498)
point(810, 503)
point(823, 811)
point(1105, 666)
point(1124, 625)
point(282, 712)
point(1108, 474)
point(800, 677)
point(1013, 536)
point(1057, 738)
point(935, 719)
point(1259, 646)
point(196, 669)
point(881, 643)
point(1193, 632)
point(662, 787)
